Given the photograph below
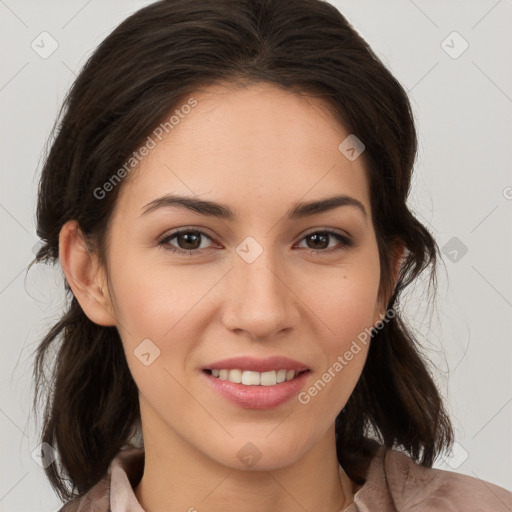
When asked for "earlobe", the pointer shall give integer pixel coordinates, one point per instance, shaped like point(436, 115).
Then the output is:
point(84, 275)
point(399, 252)
point(380, 314)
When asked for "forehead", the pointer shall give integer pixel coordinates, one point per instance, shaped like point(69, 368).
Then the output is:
point(247, 146)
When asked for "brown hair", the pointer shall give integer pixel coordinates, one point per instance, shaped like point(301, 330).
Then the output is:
point(136, 76)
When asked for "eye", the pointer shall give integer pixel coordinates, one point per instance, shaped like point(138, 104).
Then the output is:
point(190, 241)
point(320, 240)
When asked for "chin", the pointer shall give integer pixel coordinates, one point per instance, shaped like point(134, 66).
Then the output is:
point(258, 453)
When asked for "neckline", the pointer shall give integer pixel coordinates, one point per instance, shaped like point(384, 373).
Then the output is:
point(349, 493)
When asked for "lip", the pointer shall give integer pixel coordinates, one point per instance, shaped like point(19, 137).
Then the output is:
point(257, 397)
point(257, 365)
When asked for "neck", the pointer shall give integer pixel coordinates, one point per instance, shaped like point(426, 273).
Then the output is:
point(178, 477)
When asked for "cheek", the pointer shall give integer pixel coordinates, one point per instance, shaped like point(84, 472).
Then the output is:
point(346, 300)
point(158, 309)
point(348, 312)
point(150, 299)
point(349, 317)
point(151, 305)
point(346, 306)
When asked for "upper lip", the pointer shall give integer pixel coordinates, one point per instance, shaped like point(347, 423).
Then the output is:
point(257, 365)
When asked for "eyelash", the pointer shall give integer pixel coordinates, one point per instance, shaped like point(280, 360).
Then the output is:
point(346, 242)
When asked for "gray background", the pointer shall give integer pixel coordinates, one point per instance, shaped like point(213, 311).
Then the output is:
point(462, 191)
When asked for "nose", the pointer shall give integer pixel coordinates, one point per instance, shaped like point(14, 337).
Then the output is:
point(261, 300)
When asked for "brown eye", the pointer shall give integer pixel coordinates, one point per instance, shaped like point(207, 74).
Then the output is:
point(187, 241)
point(190, 240)
point(318, 242)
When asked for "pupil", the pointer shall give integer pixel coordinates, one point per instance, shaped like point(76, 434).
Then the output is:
point(187, 237)
point(319, 236)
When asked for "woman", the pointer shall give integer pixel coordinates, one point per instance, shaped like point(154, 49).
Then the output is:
point(226, 194)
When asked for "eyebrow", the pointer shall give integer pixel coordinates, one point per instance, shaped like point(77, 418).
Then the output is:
point(299, 209)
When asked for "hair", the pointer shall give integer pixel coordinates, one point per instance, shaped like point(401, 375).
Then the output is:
point(156, 57)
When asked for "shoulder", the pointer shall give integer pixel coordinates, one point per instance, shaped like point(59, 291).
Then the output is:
point(97, 499)
point(114, 490)
point(400, 482)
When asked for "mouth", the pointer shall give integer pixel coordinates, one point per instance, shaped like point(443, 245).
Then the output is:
point(250, 382)
point(254, 390)
point(252, 378)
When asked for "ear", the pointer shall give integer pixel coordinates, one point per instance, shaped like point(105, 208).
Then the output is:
point(84, 275)
point(399, 251)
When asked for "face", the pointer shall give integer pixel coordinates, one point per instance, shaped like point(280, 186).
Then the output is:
point(190, 288)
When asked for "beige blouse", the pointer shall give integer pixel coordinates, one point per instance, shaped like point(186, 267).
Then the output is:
point(394, 482)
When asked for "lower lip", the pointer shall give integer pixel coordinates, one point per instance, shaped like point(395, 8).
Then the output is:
point(258, 397)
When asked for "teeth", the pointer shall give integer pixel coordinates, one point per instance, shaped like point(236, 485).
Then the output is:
point(281, 376)
point(268, 378)
point(250, 378)
point(234, 376)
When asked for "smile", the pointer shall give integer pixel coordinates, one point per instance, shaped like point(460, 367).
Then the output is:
point(251, 378)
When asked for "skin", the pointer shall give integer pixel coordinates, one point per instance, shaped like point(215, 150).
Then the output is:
point(258, 150)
